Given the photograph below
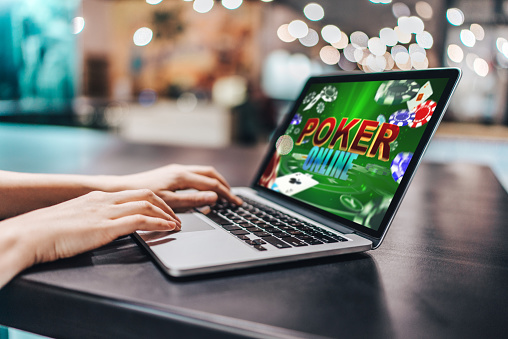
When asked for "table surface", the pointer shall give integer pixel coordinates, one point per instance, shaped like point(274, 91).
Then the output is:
point(442, 270)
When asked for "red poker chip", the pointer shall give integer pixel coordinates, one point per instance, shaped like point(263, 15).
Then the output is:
point(423, 112)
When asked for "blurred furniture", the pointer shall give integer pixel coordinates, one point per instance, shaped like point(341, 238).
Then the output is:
point(440, 273)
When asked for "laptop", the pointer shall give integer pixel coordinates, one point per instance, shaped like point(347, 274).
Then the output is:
point(330, 182)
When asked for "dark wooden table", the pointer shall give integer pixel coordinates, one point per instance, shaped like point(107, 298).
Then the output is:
point(442, 271)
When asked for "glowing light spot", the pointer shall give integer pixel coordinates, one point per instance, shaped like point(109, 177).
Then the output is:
point(232, 4)
point(311, 39)
point(424, 10)
point(314, 12)
point(377, 47)
point(330, 55)
point(467, 38)
point(153, 2)
point(78, 24)
point(342, 43)
point(478, 31)
point(147, 97)
point(404, 38)
point(425, 40)
point(331, 34)
point(481, 67)
point(203, 6)
point(298, 29)
point(400, 9)
point(142, 36)
point(455, 53)
point(359, 39)
point(455, 16)
point(283, 34)
point(388, 36)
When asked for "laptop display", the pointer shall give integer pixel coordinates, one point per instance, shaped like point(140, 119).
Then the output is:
point(347, 144)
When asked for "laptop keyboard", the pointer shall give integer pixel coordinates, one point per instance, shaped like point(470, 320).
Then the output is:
point(257, 224)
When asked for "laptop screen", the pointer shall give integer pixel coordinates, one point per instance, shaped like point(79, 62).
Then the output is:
point(347, 144)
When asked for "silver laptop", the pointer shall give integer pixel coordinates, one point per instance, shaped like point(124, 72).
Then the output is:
point(331, 180)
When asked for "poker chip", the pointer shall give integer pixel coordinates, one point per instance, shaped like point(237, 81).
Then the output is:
point(423, 112)
point(297, 119)
point(402, 117)
point(284, 144)
point(399, 165)
point(320, 107)
point(309, 97)
point(329, 93)
point(296, 131)
point(381, 119)
point(395, 92)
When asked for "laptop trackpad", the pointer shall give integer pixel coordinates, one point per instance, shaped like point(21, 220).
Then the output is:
point(192, 223)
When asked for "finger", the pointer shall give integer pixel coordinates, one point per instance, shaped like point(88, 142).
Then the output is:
point(137, 222)
point(182, 201)
point(210, 172)
point(144, 194)
point(142, 207)
point(204, 183)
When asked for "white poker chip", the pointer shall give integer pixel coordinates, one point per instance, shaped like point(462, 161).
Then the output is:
point(284, 144)
point(329, 93)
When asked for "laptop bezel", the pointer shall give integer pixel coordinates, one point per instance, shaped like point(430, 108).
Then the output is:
point(335, 221)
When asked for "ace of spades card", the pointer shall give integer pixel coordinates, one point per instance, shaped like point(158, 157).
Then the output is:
point(295, 183)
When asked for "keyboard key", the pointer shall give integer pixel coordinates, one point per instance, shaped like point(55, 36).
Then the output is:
point(259, 248)
point(253, 229)
point(240, 232)
point(262, 234)
point(324, 238)
point(276, 242)
point(231, 228)
point(294, 242)
point(242, 237)
point(280, 234)
point(312, 241)
point(259, 241)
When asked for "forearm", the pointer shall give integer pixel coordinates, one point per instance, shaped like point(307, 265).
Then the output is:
point(24, 192)
point(15, 253)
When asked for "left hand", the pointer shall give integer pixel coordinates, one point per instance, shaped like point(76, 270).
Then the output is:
point(165, 181)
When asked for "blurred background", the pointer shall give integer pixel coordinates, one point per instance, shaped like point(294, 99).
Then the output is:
point(217, 73)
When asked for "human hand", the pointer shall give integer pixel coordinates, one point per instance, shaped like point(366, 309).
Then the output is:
point(165, 181)
point(84, 223)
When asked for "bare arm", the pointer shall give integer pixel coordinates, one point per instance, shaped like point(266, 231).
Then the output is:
point(78, 225)
point(23, 192)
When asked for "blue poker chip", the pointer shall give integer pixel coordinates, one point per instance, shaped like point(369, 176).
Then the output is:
point(402, 117)
point(399, 165)
point(297, 119)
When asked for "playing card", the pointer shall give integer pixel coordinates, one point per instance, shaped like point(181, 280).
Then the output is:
point(423, 94)
point(294, 183)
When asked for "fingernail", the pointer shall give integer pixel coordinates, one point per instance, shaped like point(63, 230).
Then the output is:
point(172, 225)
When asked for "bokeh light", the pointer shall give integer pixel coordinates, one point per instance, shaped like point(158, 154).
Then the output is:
point(283, 33)
point(203, 6)
point(359, 39)
point(400, 9)
point(481, 67)
point(347, 65)
point(331, 34)
point(425, 40)
point(478, 31)
point(424, 10)
point(147, 97)
point(455, 16)
point(314, 11)
point(467, 37)
point(311, 39)
point(377, 47)
point(142, 36)
point(329, 55)
point(78, 24)
point(349, 52)
point(455, 53)
point(298, 29)
point(153, 2)
point(403, 37)
point(232, 4)
point(342, 43)
point(388, 36)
